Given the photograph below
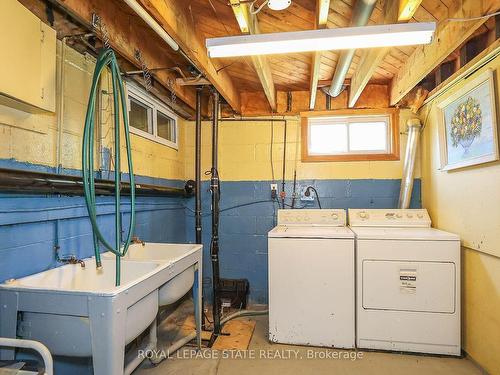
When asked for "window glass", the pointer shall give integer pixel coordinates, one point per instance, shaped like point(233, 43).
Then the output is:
point(328, 139)
point(368, 136)
point(150, 118)
point(165, 126)
point(139, 116)
point(348, 135)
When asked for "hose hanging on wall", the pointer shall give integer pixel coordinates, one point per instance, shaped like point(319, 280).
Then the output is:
point(106, 59)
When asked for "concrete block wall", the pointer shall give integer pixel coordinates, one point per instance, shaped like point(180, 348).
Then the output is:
point(246, 173)
point(32, 225)
point(248, 213)
point(29, 141)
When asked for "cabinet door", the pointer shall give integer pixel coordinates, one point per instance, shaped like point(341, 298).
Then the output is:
point(28, 56)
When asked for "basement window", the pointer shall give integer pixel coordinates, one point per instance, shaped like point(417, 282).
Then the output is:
point(355, 135)
point(150, 118)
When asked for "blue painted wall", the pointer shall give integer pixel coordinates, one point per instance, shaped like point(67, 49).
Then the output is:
point(248, 214)
point(31, 225)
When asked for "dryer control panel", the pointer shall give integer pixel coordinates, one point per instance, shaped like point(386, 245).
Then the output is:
point(389, 218)
point(323, 217)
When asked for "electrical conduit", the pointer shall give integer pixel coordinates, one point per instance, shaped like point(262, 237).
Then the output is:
point(106, 59)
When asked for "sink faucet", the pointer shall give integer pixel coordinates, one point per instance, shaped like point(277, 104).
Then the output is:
point(68, 260)
point(137, 240)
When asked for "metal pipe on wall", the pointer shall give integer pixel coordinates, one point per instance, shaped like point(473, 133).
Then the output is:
point(60, 109)
point(214, 245)
point(197, 166)
point(414, 127)
point(283, 193)
point(141, 12)
point(31, 182)
point(360, 16)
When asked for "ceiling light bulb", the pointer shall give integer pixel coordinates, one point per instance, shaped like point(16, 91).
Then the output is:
point(279, 4)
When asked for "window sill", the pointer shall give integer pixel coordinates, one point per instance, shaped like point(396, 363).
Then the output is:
point(350, 157)
point(153, 138)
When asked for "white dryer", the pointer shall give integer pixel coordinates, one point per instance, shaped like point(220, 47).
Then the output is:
point(408, 282)
point(311, 279)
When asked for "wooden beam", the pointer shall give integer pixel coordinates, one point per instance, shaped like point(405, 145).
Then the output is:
point(248, 24)
point(322, 10)
point(407, 9)
point(394, 11)
point(449, 36)
point(255, 103)
point(171, 15)
point(465, 71)
point(127, 34)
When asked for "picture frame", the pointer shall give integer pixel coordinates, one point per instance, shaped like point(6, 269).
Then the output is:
point(468, 133)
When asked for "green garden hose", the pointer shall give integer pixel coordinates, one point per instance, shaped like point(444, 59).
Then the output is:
point(106, 59)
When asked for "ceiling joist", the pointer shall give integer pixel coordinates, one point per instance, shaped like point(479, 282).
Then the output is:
point(174, 20)
point(127, 35)
point(394, 11)
point(322, 10)
point(449, 36)
point(248, 24)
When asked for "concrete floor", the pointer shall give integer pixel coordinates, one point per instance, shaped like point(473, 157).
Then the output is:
point(297, 360)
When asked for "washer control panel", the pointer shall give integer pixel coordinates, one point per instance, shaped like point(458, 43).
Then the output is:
point(330, 217)
point(389, 218)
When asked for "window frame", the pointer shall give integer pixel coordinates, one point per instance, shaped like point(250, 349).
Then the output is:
point(393, 152)
point(145, 99)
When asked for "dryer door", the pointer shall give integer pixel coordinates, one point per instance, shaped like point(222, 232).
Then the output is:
point(409, 286)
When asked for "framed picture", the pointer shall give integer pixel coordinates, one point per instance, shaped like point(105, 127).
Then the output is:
point(468, 125)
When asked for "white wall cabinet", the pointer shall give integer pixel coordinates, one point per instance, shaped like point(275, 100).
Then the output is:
point(28, 55)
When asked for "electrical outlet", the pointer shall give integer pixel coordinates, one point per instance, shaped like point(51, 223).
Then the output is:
point(303, 196)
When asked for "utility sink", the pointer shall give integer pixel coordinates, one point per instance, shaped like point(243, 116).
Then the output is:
point(171, 255)
point(79, 312)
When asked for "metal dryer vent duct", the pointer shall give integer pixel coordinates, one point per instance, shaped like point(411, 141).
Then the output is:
point(360, 16)
point(414, 127)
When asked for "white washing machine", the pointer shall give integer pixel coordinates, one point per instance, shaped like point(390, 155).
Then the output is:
point(408, 282)
point(311, 279)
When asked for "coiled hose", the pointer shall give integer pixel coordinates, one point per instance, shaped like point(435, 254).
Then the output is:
point(106, 59)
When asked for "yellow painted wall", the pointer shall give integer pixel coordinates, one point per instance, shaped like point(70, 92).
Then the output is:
point(245, 154)
point(467, 202)
point(32, 138)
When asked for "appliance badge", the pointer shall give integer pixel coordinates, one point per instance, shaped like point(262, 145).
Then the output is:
point(408, 280)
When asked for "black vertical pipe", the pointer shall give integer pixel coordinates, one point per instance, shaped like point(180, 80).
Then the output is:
point(214, 246)
point(197, 172)
point(197, 167)
point(283, 194)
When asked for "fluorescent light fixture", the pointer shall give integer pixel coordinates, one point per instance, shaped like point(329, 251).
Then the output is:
point(403, 34)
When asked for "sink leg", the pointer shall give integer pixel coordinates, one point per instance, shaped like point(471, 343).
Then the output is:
point(8, 323)
point(197, 306)
point(108, 324)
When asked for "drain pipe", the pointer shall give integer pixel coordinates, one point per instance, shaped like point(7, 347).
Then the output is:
point(197, 167)
point(214, 245)
point(414, 127)
point(197, 203)
point(360, 16)
point(169, 350)
point(133, 359)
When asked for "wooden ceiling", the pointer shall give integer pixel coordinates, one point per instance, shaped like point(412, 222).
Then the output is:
point(291, 72)
point(241, 81)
